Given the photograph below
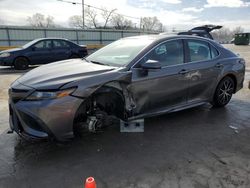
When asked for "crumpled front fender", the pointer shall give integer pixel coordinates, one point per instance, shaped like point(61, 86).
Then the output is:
point(88, 86)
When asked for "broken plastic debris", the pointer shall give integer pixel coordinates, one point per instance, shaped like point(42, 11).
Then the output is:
point(234, 128)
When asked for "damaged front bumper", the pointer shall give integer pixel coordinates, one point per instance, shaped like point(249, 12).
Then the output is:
point(42, 119)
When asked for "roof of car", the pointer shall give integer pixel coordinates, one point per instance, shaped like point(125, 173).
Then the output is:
point(54, 38)
point(167, 36)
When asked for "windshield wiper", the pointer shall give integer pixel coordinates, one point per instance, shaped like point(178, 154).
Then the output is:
point(84, 58)
point(96, 62)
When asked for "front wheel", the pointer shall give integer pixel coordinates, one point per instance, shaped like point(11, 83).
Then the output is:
point(21, 63)
point(224, 92)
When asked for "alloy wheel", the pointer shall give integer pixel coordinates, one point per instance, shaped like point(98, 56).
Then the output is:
point(226, 92)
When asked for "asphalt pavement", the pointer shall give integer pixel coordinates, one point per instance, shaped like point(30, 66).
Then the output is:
point(199, 147)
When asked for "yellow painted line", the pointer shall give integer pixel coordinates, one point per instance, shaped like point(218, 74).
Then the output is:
point(94, 46)
point(7, 47)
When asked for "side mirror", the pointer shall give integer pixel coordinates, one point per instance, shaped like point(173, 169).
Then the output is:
point(151, 64)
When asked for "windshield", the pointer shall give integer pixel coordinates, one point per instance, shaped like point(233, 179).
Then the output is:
point(121, 52)
point(29, 44)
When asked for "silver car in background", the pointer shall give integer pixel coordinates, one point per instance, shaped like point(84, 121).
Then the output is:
point(131, 78)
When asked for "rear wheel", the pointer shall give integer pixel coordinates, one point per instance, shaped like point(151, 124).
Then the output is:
point(224, 92)
point(21, 63)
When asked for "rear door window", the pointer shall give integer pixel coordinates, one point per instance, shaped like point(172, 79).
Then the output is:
point(60, 44)
point(199, 50)
point(46, 44)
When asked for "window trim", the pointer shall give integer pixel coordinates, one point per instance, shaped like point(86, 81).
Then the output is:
point(168, 40)
point(209, 44)
point(43, 41)
point(55, 40)
point(218, 52)
point(186, 53)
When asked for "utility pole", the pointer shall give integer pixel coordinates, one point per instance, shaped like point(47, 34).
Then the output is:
point(74, 3)
point(141, 24)
point(83, 24)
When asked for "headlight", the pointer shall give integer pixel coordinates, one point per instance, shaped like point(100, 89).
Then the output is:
point(6, 54)
point(43, 95)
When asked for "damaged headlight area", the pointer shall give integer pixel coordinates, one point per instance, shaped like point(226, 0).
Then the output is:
point(6, 54)
point(46, 95)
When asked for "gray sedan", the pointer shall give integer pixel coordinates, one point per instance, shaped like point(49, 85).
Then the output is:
point(131, 78)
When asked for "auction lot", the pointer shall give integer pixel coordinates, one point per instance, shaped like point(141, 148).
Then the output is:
point(199, 147)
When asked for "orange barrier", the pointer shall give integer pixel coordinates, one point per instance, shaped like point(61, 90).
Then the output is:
point(90, 183)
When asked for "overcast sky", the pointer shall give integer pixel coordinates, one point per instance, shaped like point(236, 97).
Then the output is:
point(172, 13)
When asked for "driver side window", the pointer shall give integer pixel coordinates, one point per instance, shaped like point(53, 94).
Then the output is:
point(168, 53)
point(43, 44)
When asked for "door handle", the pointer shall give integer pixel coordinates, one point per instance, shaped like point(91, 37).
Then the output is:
point(183, 71)
point(218, 65)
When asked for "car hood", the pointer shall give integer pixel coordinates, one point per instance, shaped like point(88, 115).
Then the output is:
point(11, 50)
point(55, 75)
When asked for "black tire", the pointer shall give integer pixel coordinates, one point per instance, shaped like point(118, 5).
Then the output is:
point(74, 56)
point(224, 92)
point(21, 63)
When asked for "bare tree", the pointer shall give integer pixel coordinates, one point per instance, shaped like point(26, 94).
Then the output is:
point(238, 30)
point(151, 23)
point(39, 20)
point(107, 15)
point(76, 21)
point(222, 35)
point(119, 22)
point(49, 21)
point(116, 21)
point(91, 17)
point(225, 34)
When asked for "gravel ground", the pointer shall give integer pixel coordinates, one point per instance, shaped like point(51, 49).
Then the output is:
point(243, 51)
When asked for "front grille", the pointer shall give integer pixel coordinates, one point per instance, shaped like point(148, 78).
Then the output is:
point(10, 110)
point(30, 121)
point(17, 94)
point(15, 121)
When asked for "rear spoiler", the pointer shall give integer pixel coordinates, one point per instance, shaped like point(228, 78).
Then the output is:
point(207, 28)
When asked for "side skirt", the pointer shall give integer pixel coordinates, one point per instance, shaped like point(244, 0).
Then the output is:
point(167, 110)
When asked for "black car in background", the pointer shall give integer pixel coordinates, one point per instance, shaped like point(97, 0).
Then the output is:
point(41, 51)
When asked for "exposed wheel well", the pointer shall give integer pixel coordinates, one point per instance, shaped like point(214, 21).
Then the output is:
point(106, 99)
point(110, 100)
